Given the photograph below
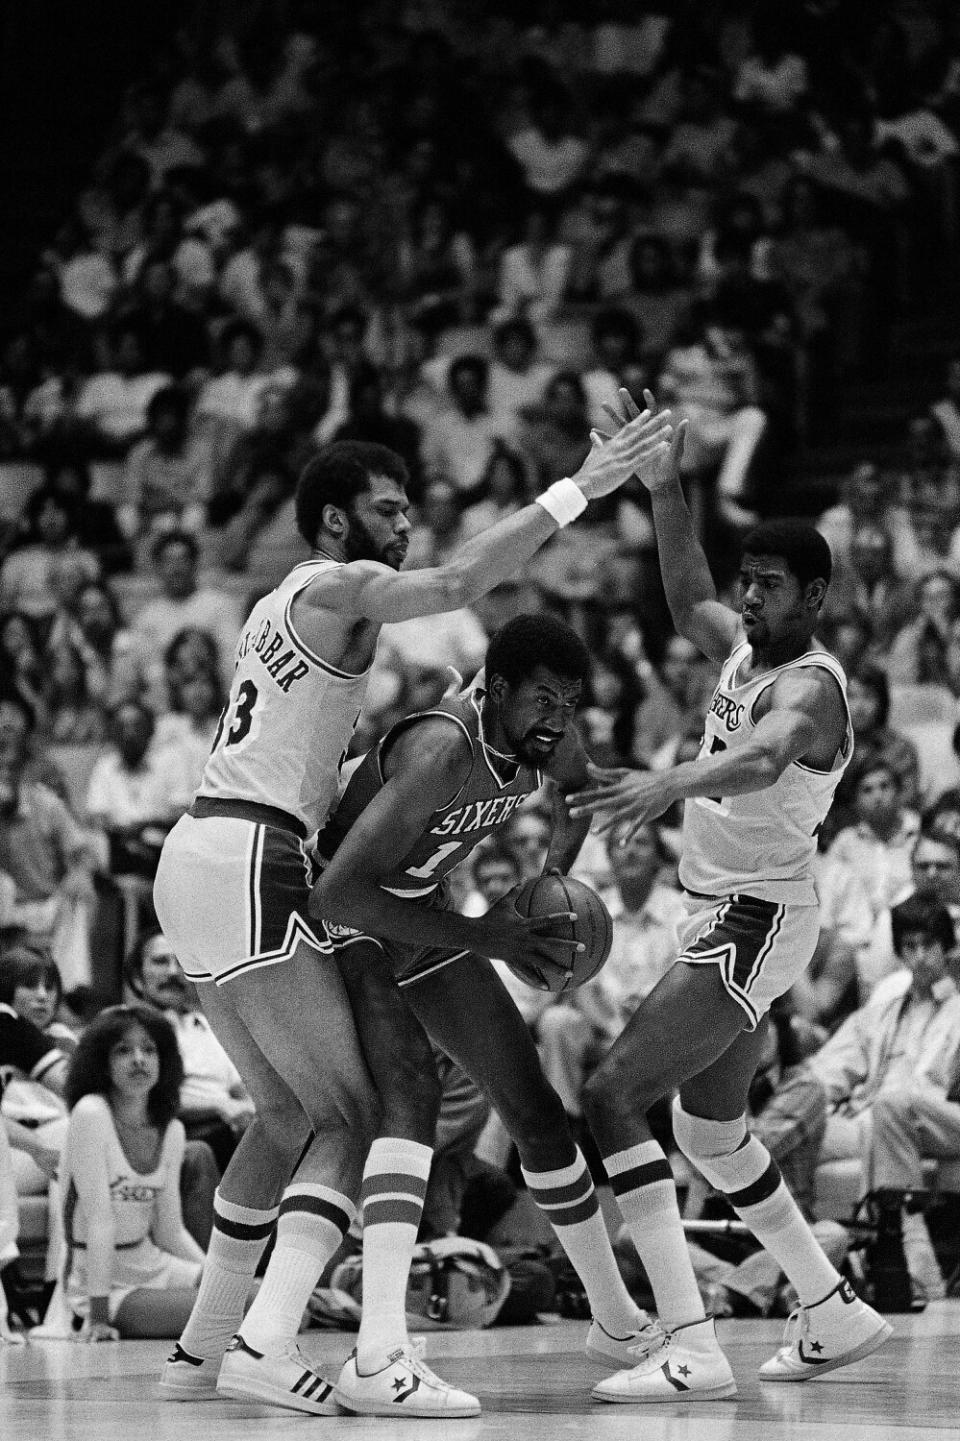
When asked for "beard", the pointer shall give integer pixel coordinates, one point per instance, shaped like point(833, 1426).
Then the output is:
point(360, 545)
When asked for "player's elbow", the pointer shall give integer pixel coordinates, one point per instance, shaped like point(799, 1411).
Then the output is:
point(768, 768)
point(335, 898)
point(454, 586)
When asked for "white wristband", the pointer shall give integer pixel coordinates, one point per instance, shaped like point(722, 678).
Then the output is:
point(564, 500)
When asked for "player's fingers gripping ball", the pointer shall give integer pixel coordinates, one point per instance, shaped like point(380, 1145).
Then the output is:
point(592, 928)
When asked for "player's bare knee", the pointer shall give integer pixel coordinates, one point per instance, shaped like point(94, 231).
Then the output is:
point(284, 1129)
point(532, 1116)
point(412, 1107)
point(613, 1096)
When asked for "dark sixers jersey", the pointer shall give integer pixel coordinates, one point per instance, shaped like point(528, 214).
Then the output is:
point(483, 802)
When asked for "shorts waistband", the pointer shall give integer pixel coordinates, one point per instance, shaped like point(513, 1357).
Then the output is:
point(207, 806)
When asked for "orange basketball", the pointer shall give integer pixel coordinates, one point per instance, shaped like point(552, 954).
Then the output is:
point(593, 928)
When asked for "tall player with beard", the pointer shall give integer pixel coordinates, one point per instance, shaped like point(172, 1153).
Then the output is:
point(232, 891)
point(777, 738)
point(412, 811)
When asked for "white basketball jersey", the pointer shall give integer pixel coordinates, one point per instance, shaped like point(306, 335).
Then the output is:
point(761, 844)
point(288, 721)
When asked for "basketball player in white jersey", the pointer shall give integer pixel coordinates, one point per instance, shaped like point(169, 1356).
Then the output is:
point(231, 894)
point(776, 741)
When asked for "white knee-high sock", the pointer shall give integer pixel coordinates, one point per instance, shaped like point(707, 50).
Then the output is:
point(393, 1192)
point(568, 1199)
point(310, 1227)
point(642, 1182)
point(236, 1245)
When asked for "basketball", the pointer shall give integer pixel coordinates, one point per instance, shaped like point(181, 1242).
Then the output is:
point(593, 928)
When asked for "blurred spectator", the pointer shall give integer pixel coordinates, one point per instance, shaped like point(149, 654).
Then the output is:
point(674, 700)
point(527, 833)
point(865, 500)
point(440, 530)
point(75, 717)
point(136, 791)
point(503, 490)
point(867, 582)
point(550, 152)
point(21, 658)
point(934, 876)
point(437, 269)
point(183, 602)
point(827, 990)
point(656, 299)
point(517, 376)
point(35, 577)
point(113, 402)
point(459, 438)
point(699, 144)
point(868, 696)
point(368, 419)
point(95, 520)
point(616, 338)
point(597, 232)
point(174, 339)
point(918, 654)
point(186, 733)
point(49, 857)
point(95, 629)
point(153, 138)
point(232, 398)
point(494, 870)
point(947, 410)
point(132, 1267)
point(556, 433)
point(167, 477)
point(86, 279)
point(214, 1106)
point(878, 846)
point(533, 273)
point(275, 436)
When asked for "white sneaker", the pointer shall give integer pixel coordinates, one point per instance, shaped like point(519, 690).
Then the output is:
point(404, 1387)
point(285, 1380)
point(620, 1351)
point(835, 1331)
point(684, 1364)
point(187, 1378)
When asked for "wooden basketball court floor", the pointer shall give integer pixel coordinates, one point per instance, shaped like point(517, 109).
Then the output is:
point(534, 1384)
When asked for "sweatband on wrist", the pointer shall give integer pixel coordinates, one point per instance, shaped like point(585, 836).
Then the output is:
point(564, 500)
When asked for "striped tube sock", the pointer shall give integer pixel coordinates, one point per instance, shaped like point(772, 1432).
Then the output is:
point(751, 1181)
point(236, 1245)
point(311, 1226)
point(642, 1182)
point(393, 1191)
point(569, 1201)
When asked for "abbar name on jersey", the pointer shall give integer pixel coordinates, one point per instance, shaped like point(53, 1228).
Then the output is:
point(267, 643)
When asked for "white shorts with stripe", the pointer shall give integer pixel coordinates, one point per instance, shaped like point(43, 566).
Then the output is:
point(759, 947)
point(231, 895)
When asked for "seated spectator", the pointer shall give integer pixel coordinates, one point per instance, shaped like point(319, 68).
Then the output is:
point(646, 912)
point(934, 876)
point(174, 339)
point(616, 337)
point(49, 857)
point(878, 846)
point(700, 142)
point(867, 582)
point(21, 659)
point(33, 1111)
point(136, 791)
point(439, 533)
point(674, 694)
point(548, 149)
point(918, 655)
point(926, 537)
point(868, 696)
point(113, 403)
point(503, 490)
point(95, 519)
point(132, 1267)
point(230, 400)
point(533, 273)
point(95, 629)
point(167, 475)
point(278, 434)
point(459, 437)
point(517, 376)
point(34, 577)
point(186, 732)
point(865, 500)
point(261, 538)
point(656, 299)
point(947, 411)
point(597, 230)
point(528, 833)
point(214, 1106)
point(556, 433)
point(368, 419)
point(75, 717)
point(182, 603)
point(494, 870)
point(903, 1044)
point(437, 269)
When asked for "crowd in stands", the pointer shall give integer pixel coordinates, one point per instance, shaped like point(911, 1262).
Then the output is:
point(457, 230)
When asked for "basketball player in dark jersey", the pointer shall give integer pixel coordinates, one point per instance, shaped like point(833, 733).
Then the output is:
point(412, 811)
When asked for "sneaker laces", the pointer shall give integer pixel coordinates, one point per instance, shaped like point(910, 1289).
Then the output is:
point(413, 1354)
point(648, 1339)
point(796, 1329)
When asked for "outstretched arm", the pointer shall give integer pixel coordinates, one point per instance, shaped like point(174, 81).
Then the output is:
point(690, 591)
point(374, 592)
point(785, 734)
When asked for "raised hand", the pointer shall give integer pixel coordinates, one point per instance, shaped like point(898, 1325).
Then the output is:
point(622, 799)
point(661, 466)
point(639, 440)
